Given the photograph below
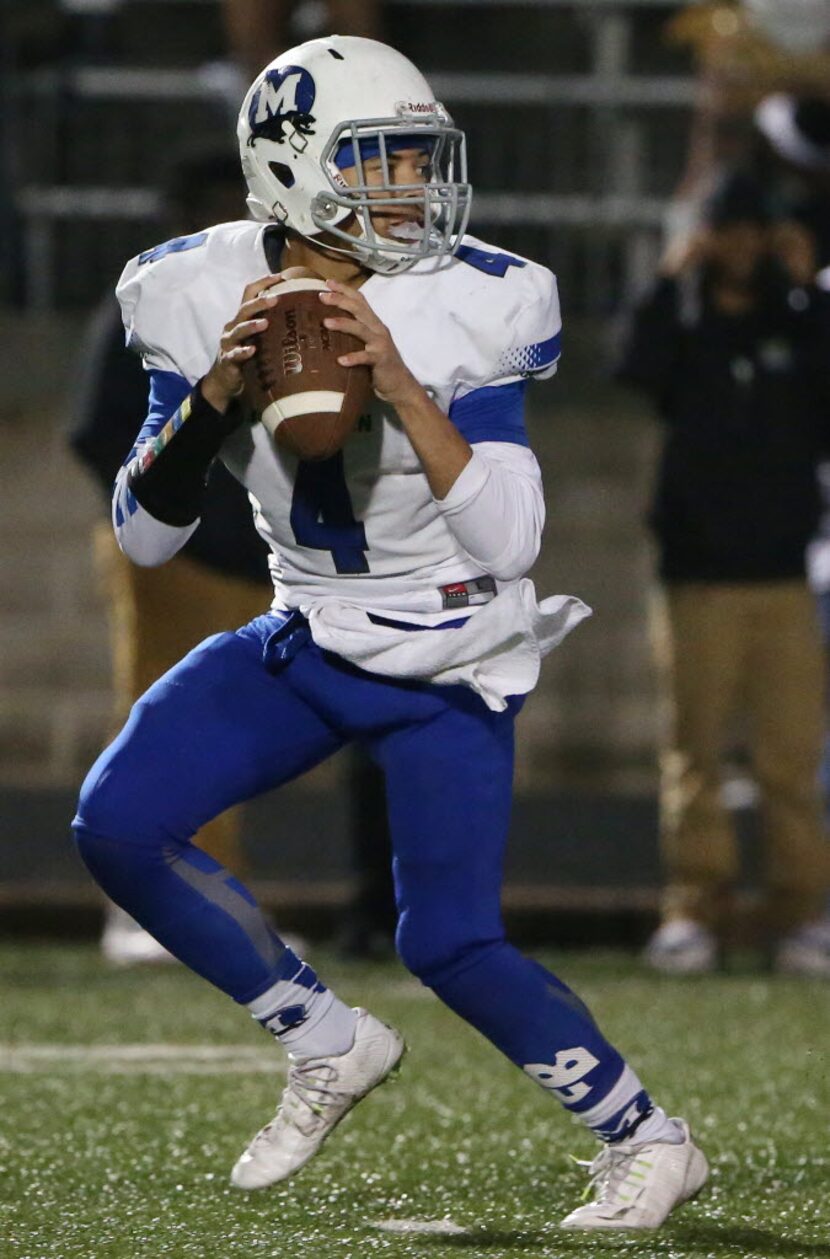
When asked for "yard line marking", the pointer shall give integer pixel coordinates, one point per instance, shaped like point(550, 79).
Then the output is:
point(419, 1226)
point(139, 1059)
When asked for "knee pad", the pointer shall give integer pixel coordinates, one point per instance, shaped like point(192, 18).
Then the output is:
point(433, 956)
point(116, 804)
point(418, 950)
point(121, 869)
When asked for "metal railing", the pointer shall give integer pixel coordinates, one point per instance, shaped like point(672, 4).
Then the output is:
point(606, 91)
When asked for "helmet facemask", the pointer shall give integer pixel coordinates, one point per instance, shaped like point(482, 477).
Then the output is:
point(342, 103)
point(439, 205)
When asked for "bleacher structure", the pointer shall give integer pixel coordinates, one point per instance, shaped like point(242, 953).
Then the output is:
point(576, 113)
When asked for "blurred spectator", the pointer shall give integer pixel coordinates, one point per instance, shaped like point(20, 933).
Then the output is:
point(764, 99)
point(733, 347)
point(818, 568)
point(744, 52)
point(794, 161)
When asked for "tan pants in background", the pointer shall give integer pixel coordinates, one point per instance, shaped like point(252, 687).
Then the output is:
point(751, 650)
point(156, 616)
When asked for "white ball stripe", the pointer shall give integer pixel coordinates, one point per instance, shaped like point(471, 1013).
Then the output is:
point(311, 402)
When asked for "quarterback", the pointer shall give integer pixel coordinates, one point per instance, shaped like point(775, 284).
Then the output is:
point(402, 617)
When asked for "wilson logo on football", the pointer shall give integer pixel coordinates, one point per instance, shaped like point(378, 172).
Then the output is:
point(305, 398)
point(292, 359)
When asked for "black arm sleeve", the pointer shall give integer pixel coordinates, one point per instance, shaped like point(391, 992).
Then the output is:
point(170, 485)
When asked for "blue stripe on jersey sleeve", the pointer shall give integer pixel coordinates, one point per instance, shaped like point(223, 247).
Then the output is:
point(532, 358)
point(126, 500)
point(167, 391)
point(494, 413)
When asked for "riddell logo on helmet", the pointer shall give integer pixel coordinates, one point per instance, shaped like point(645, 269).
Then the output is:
point(415, 107)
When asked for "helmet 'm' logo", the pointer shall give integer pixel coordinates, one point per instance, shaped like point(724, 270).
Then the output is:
point(280, 108)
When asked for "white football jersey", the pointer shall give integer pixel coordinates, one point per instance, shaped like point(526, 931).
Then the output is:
point(362, 527)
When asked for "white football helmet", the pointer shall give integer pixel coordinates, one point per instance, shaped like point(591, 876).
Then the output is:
point(332, 103)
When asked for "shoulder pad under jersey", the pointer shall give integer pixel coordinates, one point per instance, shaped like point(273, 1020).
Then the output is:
point(484, 317)
point(177, 297)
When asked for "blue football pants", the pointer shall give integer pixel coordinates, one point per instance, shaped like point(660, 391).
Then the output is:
point(247, 711)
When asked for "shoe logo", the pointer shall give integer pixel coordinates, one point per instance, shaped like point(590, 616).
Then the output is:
point(623, 1125)
point(287, 1020)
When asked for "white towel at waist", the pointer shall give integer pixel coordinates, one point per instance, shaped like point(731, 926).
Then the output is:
point(497, 653)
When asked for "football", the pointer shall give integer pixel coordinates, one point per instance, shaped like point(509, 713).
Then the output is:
point(308, 402)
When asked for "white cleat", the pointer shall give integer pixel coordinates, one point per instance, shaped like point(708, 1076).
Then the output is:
point(682, 947)
point(320, 1092)
point(636, 1186)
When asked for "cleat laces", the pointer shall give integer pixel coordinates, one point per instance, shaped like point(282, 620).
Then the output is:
point(616, 1177)
point(308, 1095)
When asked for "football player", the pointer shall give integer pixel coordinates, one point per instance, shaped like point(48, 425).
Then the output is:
point(401, 618)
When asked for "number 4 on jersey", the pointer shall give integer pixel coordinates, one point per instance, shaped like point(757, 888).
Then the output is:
point(322, 515)
point(488, 263)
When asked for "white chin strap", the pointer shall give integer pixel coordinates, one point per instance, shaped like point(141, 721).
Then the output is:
point(371, 256)
point(376, 258)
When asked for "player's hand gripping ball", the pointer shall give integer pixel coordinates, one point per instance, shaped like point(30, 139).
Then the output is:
point(308, 402)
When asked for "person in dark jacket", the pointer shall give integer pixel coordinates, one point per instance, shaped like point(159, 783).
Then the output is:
point(733, 348)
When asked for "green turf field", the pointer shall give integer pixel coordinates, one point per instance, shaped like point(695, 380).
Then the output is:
point(126, 1097)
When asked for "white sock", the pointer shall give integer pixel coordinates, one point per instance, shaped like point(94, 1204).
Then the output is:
point(310, 1021)
point(657, 1127)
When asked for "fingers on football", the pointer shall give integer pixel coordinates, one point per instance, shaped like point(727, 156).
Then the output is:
point(244, 324)
point(351, 300)
point(255, 306)
point(254, 300)
point(245, 328)
point(239, 353)
point(256, 287)
point(370, 355)
point(349, 325)
point(235, 343)
point(359, 358)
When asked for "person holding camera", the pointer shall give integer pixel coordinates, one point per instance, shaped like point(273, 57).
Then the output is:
point(733, 347)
